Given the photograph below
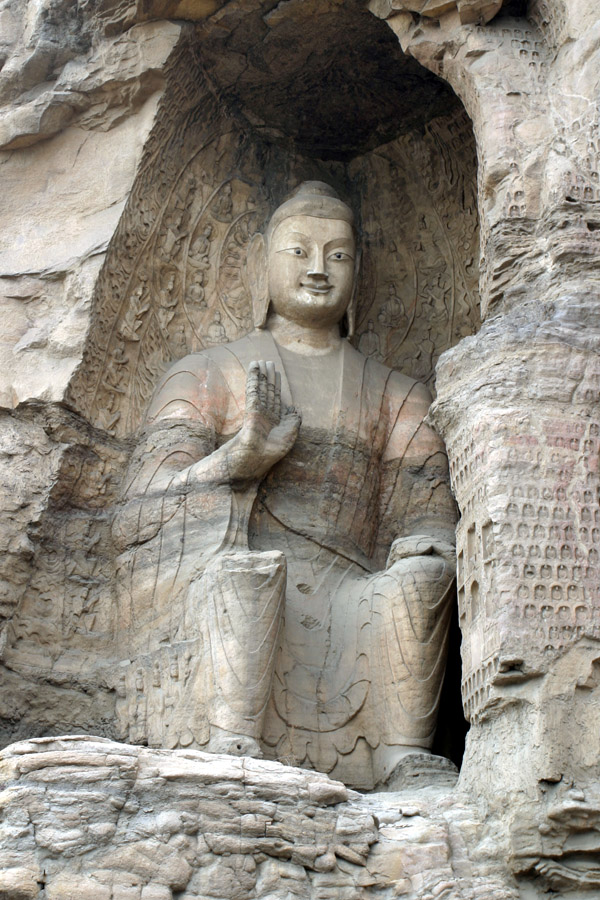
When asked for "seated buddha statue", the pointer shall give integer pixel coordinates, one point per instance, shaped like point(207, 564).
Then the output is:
point(287, 528)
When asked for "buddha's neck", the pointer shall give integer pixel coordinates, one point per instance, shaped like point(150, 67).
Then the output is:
point(305, 339)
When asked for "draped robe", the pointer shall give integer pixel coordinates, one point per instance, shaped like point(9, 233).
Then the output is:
point(357, 650)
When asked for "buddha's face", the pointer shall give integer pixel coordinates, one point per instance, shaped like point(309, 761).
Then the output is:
point(311, 269)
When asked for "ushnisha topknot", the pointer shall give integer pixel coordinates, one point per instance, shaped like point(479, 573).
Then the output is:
point(311, 198)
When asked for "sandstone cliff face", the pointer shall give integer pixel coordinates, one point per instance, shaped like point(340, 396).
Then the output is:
point(127, 129)
point(78, 100)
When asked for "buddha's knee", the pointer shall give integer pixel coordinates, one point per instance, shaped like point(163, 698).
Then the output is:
point(252, 566)
point(250, 575)
point(243, 585)
point(414, 599)
point(429, 575)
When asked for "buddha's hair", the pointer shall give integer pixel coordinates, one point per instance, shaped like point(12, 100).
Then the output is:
point(311, 198)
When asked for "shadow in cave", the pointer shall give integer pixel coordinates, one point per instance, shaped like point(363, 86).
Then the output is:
point(452, 726)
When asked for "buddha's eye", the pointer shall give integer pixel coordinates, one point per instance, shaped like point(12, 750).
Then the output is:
point(295, 251)
point(339, 255)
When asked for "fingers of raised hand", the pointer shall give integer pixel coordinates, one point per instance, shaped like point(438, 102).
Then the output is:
point(273, 391)
point(263, 390)
point(263, 385)
point(277, 401)
point(270, 367)
point(252, 386)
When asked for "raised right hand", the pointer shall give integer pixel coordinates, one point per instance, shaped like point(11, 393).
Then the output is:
point(266, 435)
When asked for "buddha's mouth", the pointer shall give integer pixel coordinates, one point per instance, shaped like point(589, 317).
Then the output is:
point(317, 289)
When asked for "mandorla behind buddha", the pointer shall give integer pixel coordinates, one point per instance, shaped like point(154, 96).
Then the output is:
point(286, 531)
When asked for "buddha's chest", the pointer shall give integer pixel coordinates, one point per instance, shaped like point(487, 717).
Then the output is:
point(315, 384)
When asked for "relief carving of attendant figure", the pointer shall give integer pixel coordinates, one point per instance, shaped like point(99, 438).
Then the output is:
point(287, 524)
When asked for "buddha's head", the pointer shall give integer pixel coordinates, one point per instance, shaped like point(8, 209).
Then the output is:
point(304, 266)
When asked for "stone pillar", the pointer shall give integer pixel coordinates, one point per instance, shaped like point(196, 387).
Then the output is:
point(519, 404)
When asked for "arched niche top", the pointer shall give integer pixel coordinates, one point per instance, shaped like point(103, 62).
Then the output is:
point(330, 77)
point(393, 139)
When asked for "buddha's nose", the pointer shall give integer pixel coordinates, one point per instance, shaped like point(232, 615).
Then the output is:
point(317, 263)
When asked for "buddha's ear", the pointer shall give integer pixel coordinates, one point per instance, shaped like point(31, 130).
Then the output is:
point(351, 311)
point(256, 266)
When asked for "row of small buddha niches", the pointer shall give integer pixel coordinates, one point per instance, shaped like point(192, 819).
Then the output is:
point(300, 450)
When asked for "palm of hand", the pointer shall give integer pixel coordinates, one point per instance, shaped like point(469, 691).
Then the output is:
point(266, 435)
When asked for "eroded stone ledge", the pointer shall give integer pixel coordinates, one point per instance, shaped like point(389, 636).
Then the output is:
point(98, 820)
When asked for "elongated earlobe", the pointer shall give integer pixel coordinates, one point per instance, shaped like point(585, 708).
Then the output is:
point(258, 281)
point(351, 311)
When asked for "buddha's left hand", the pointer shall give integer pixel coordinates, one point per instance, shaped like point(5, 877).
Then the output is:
point(421, 545)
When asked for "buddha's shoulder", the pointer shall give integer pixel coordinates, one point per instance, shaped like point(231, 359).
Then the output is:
point(398, 386)
point(221, 357)
point(206, 372)
point(199, 381)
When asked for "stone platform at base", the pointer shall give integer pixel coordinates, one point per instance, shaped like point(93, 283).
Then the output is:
point(85, 818)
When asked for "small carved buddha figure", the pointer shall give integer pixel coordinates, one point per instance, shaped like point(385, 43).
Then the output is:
point(287, 523)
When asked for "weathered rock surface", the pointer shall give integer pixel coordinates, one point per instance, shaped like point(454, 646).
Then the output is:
point(90, 818)
point(64, 195)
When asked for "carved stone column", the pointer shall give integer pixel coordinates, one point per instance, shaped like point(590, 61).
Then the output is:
point(519, 406)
